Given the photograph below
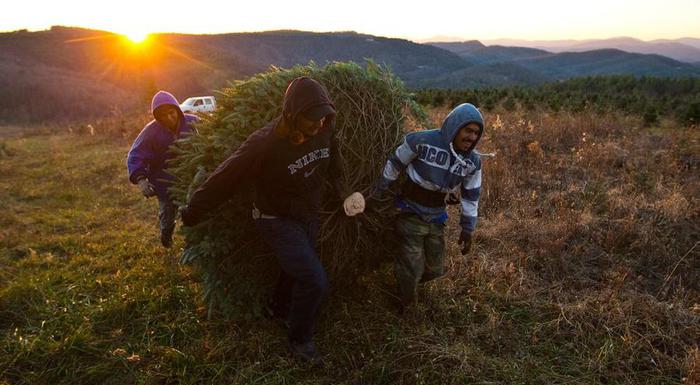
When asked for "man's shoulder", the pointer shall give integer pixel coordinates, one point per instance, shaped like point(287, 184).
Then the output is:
point(149, 128)
point(266, 131)
point(260, 137)
point(191, 118)
point(431, 137)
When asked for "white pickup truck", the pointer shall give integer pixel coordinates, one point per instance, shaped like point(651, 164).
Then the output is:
point(194, 104)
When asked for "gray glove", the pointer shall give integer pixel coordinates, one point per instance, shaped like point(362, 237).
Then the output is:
point(452, 198)
point(146, 187)
point(465, 239)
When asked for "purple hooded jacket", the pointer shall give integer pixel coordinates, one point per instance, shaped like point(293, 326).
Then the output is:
point(149, 153)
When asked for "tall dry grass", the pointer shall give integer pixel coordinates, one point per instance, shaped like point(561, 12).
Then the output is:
point(584, 271)
point(596, 220)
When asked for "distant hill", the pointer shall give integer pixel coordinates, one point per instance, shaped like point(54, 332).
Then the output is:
point(67, 73)
point(532, 66)
point(672, 49)
point(486, 75)
point(409, 60)
point(478, 53)
point(461, 46)
point(693, 42)
point(685, 49)
point(606, 62)
point(73, 73)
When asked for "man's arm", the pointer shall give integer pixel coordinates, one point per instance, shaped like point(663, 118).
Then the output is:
point(471, 189)
point(237, 169)
point(191, 120)
point(397, 163)
point(335, 169)
point(140, 157)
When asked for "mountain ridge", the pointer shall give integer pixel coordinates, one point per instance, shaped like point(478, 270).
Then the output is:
point(683, 49)
point(71, 73)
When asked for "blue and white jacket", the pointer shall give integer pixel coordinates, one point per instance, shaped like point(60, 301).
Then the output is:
point(431, 162)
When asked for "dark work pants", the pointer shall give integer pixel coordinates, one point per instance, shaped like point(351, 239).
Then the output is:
point(303, 283)
point(421, 254)
point(167, 212)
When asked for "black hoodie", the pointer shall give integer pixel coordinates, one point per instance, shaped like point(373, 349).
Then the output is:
point(288, 178)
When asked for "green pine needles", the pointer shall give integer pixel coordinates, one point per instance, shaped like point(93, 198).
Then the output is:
point(374, 111)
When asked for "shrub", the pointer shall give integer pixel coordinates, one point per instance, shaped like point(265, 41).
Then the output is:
point(373, 111)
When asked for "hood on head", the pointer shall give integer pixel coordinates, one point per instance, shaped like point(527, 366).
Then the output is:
point(303, 93)
point(162, 98)
point(460, 116)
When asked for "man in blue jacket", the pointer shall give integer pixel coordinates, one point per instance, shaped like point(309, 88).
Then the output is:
point(149, 153)
point(288, 162)
point(438, 162)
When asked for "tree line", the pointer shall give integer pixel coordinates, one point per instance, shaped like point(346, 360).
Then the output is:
point(648, 97)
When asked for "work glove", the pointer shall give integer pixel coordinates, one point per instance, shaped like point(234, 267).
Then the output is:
point(354, 204)
point(465, 238)
point(452, 198)
point(146, 187)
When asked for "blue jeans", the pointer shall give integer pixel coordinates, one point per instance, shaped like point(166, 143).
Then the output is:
point(303, 284)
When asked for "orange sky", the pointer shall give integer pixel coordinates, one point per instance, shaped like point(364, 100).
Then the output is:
point(489, 19)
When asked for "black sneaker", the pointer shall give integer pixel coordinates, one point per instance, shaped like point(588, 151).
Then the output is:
point(166, 240)
point(404, 305)
point(428, 277)
point(306, 352)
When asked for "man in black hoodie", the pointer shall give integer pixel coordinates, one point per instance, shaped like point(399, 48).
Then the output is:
point(288, 162)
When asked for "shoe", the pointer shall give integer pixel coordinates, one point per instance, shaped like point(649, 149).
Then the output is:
point(404, 305)
point(306, 352)
point(166, 240)
point(428, 277)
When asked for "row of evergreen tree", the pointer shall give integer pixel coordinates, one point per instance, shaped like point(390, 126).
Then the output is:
point(649, 97)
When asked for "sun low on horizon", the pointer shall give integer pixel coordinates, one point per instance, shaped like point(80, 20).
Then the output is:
point(136, 37)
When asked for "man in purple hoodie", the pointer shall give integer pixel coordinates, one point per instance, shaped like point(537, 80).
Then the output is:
point(288, 162)
point(149, 153)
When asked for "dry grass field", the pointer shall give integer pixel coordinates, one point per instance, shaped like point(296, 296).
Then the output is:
point(585, 270)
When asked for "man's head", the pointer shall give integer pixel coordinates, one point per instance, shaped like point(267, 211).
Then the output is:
point(306, 110)
point(166, 109)
point(167, 115)
point(466, 137)
point(310, 121)
point(463, 127)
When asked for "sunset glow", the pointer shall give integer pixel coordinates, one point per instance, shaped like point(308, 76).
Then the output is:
point(496, 19)
point(137, 37)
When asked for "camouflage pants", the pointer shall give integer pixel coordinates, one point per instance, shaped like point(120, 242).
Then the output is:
point(421, 254)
